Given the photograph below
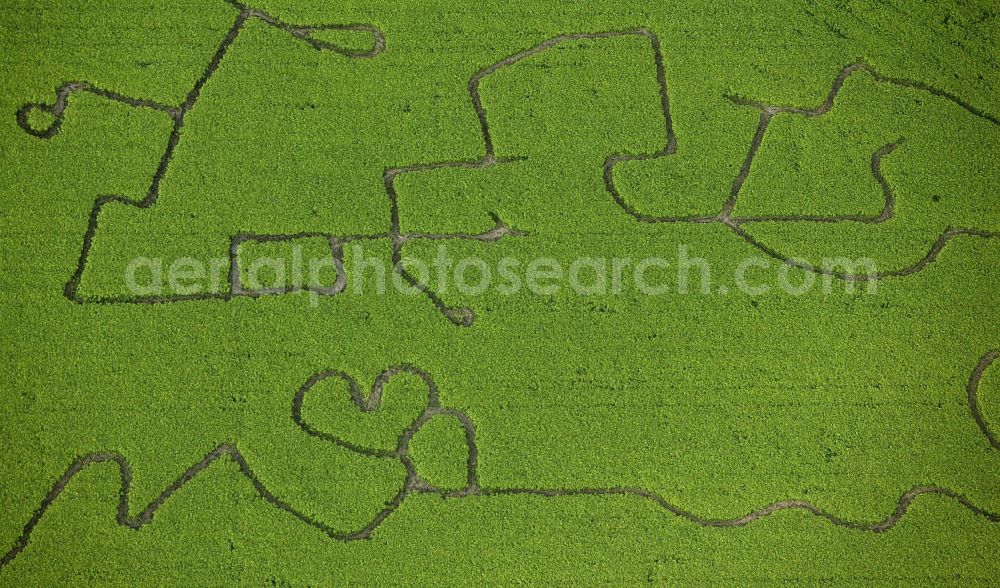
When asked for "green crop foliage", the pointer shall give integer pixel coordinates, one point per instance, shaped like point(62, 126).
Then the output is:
point(440, 453)
point(590, 435)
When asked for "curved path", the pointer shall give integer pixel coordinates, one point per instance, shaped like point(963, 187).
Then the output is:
point(465, 316)
point(177, 113)
point(767, 112)
point(413, 483)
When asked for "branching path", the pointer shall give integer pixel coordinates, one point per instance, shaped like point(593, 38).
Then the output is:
point(767, 113)
point(413, 483)
point(177, 114)
point(725, 215)
point(465, 316)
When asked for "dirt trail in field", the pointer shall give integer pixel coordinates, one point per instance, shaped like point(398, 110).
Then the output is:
point(413, 483)
point(465, 316)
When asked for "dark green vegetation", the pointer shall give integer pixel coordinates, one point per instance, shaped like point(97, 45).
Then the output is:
point(613, 409)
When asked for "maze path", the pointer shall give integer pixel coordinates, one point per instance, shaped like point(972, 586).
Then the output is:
point(465, 316)
point(768, 112)
point(177, 114)
point(413, 483)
